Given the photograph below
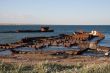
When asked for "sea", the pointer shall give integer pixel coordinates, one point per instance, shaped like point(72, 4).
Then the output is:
point(58, 29)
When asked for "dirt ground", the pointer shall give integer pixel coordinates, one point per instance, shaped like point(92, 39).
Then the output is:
point(40, 57)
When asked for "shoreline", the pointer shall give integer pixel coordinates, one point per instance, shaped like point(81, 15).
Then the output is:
point(79, 39)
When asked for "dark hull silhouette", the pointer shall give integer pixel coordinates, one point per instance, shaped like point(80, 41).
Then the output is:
point(26, 31)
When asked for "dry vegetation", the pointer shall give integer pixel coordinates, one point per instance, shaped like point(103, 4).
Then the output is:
point(46, 67)
point(44, 63)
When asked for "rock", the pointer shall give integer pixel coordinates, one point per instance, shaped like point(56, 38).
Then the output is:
point(103, 49)
point(107, 53)
point(93, 45)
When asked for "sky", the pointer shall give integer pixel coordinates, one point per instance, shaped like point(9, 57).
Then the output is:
point(82, 12)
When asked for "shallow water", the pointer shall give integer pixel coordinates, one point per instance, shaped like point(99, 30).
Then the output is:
point(60, 48)
point(5, 53)
point(92, 53)
point(25, 49)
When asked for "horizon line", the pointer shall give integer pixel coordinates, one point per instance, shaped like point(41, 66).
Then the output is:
point(45, 24)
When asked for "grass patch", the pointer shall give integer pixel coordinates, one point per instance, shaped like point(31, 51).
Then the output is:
point(96, 68)
point(46, 67)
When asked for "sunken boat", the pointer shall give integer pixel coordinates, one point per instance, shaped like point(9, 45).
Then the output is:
point(42, 29)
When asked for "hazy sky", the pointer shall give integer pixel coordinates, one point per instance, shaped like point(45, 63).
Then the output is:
point(55, 11)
